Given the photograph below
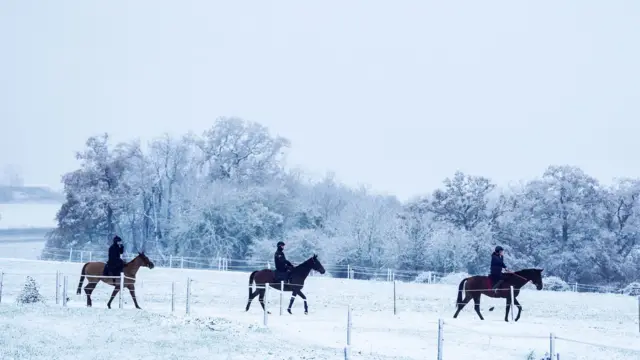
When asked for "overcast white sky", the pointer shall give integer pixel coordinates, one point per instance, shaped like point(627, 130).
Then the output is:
point(395, 94)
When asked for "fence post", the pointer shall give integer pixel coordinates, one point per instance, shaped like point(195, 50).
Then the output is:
point(181, 262)
point(512, 302)
point(281, 294)
point(638, 304)
point(81, 256)
point(1, 280)
point(552, 346)
point(348, 271)
point(57, 287)
point(70, 254)
point(268, 265)
point(120, 298)
point(188, 296)
point(226, 264)
point(173, 296)
point(65, 282)
point(265, 301)
point(90, 256)
point(347, 349)
point(440, 338)
point(394, 298)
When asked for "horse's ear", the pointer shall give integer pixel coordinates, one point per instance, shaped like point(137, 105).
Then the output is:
point(541, 270)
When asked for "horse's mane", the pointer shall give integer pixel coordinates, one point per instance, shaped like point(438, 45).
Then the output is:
point(132, 260)
point(306, 262)
point(525, 273)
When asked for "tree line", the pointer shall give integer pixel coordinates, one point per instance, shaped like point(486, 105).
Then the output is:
point(226, 192)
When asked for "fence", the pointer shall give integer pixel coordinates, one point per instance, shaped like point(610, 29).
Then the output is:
point(336, 270)
point(384, 302)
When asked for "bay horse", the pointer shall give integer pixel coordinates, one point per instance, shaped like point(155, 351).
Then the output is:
point(476, 286)
point(93, 272)
point(298, 275)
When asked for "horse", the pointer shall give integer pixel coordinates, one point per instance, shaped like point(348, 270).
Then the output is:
point(476, 286)
point(93, 272)
point(298, 276)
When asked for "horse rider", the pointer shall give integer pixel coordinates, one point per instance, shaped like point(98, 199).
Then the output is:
point(115, 263)
point(497, 264)
point(282, 264)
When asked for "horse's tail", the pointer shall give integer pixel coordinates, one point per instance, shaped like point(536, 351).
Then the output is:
point(251, 277)
point(460, 291)
point(82, 273)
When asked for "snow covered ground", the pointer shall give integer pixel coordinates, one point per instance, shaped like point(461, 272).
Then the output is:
point(601, 326)
point(22, 248)
point(28, 215)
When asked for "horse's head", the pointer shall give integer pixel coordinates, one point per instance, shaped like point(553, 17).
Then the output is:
point(146, 262)
point(316, 265)
point(535, 276)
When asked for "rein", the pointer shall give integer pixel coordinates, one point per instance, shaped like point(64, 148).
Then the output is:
point(520, 276)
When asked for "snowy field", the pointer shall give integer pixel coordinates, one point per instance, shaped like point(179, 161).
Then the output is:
point(28, 215)
point(601, 326)
point(25, 248)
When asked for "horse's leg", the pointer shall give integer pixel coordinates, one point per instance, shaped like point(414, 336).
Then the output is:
point(306, 308)
point(293, 297)
point(464, 302)
point(132, 291)
point(113, 295)
point(252, 295)
point(515, 301)
point(506, 313)
point(476, 303)
point(88, 290)
point(261, 298)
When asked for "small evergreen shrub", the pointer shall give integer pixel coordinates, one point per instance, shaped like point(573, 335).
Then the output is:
point(30, 293)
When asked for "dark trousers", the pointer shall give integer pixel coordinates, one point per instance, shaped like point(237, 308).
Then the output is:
point(496, 280)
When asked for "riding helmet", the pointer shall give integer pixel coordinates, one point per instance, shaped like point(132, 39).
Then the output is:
point(116, 239)
point(280, 244)
point(499, 248)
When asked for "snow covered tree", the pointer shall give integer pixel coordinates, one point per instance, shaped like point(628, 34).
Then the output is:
point(463, 202)
point(30, 293)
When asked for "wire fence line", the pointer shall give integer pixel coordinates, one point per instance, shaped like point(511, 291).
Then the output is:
point(335, 270)
point(193, 295)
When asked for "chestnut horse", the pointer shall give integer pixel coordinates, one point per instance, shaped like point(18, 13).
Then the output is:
point(476, 286)
point(298, 276)
point(93, 272)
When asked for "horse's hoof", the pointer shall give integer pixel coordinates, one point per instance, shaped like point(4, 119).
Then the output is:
point(306, 313)
point(269, 312)
point(289, 311)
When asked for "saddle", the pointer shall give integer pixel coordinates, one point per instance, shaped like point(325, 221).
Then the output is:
point(109, 271)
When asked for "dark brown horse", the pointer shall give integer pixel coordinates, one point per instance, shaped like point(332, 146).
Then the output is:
point(298, 275)
point(93, 272)
point(476, 286)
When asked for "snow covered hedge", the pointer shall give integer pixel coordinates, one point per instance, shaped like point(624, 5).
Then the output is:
point(554, 283)
point(632, 289)
point(453, 279)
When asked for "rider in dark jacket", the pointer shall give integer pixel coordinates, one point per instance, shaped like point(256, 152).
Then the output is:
point(282, 264)
point(497, 264)
point(115, 263)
